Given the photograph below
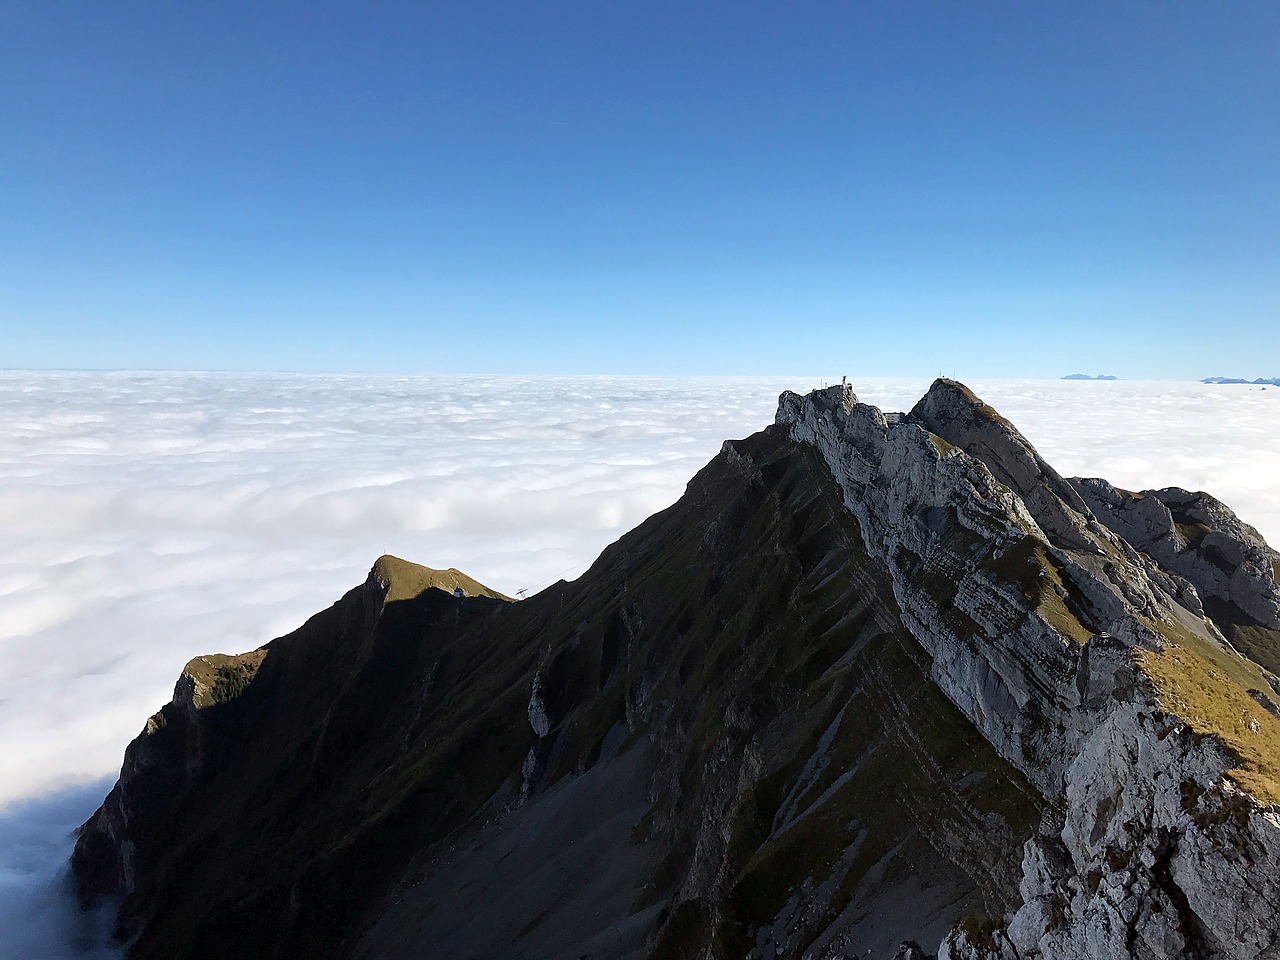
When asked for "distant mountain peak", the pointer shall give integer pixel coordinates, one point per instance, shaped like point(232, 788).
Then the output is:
point(1272, 382)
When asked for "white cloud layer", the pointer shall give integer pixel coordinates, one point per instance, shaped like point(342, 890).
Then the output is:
point(149, 518)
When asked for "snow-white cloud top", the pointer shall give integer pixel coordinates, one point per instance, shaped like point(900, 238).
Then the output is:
point(149, 518)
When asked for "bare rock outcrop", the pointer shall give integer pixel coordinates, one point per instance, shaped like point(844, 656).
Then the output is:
point(952, 411)
point(1199, 539)
point(1127, 709)
point(876, 685)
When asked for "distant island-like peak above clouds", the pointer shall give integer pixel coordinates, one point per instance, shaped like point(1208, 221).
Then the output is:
point(1261, 381)
point(1086, 376)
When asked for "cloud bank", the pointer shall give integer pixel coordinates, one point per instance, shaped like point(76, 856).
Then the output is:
point(149, 518)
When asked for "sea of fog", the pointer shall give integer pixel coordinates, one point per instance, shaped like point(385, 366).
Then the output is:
point(146, 518)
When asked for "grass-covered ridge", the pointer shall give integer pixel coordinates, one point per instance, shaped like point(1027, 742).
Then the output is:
point(1207, 687)
point(1260, 644)
point(404, 580)
point(217, 677)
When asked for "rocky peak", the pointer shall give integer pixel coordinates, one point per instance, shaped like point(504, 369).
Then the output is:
point(1228, 567)
point(953, 412)
point(1094, 681)
point(875, 681)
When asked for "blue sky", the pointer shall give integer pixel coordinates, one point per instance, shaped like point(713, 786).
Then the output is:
point(980, 189)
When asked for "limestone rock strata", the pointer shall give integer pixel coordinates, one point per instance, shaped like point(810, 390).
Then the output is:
point(952, 412)
point(877, 685)
point(720, 741)
point(1156, 851)
point(1197, 537)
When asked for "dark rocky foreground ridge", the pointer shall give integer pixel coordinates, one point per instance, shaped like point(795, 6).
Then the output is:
point(872, 679)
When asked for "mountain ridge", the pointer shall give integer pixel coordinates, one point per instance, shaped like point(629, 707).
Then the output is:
point(845, 606)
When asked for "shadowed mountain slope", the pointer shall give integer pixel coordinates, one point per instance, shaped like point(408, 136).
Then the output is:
point(870, 680)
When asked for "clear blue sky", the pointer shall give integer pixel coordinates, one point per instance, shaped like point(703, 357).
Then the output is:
point(984, 189)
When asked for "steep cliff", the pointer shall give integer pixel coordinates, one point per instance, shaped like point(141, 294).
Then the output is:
point(1154, 737)
point(1197, 537)
point(873, 679)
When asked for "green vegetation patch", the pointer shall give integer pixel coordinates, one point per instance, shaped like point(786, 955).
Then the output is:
point(1207, 688)
point(1259, 644)
point(939, 444)
point(404, 580)
point(219, 677)
point(1191, 531)
point(1030, 567)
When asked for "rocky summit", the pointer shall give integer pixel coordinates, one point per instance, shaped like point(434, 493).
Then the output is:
point(877, 685)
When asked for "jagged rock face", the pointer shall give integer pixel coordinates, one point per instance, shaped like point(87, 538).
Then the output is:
point(871, 680)
point(1080, 696)
point(1193, 535)
point(951, 411)
point(729, 698)
point(1003, 612)
point(190, 838)
point(173, 757)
